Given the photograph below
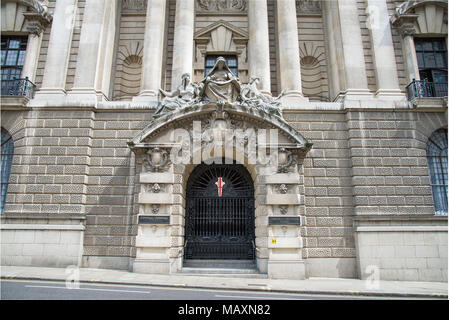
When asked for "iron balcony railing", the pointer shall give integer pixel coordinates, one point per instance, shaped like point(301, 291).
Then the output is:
point(424, 88)
point(18, 88)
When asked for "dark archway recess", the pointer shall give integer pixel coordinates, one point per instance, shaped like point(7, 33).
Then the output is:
point(220, 226)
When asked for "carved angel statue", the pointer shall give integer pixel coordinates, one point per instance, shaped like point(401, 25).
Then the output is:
point(185, 94)
point(252, 97)
point(220, 83)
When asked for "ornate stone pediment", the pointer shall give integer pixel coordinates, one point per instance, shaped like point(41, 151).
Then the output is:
point(220, 37)
point(221, 28)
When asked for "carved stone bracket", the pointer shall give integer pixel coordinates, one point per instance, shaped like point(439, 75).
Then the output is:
point(405, 23)
point(35, 22)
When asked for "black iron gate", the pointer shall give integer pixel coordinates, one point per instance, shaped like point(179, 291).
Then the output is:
point(220, 213)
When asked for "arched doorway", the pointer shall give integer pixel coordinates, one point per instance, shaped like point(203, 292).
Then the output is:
point(219, 221)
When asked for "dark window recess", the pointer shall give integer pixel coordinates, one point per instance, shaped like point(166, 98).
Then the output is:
point(231, 61)
point(432, 59)
point(12, 56)
point(431, 54)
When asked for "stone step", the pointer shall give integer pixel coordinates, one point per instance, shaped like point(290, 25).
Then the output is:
point(223, 272)
point(227, 264)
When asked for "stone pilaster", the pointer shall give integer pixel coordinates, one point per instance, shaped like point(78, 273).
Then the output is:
point(90, 51)
point(352, 49)
point(335, 65)
point(383, 51)
point(183, 40)
point(157, 249)
point(284, 200)
point(258, 46)
point(153, 51)
point(55, 73)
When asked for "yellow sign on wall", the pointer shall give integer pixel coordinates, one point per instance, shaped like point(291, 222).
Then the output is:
point(273, 240)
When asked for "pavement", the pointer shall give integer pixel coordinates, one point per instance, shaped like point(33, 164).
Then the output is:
point(240, 282)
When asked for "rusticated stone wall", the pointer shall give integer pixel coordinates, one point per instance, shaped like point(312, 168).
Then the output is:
point(363, 163)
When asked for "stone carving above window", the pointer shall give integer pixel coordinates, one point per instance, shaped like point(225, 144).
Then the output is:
point(221, 6)
point(223, 37)
point(308, 7)
point(131, 6)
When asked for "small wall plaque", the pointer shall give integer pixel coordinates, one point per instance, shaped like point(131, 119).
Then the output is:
point(154, 219)
point(284, 221)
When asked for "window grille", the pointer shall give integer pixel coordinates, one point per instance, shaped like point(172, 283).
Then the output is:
point(6, 159)
point(437, 161)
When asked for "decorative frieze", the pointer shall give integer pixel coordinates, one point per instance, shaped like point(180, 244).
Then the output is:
point(308, 7)
point(134, 6)
point(221, 6)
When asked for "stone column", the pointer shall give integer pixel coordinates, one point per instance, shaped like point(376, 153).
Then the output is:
point(353, 55)
point(183, 41)
point(408, 45)
point(153, 51)
point(89, 53)
point(58, 52)
point(32, 56)
point(383, 51)
point(289, 63)
point(259, 47)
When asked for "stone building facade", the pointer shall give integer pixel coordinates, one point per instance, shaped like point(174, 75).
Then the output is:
point(350, 102)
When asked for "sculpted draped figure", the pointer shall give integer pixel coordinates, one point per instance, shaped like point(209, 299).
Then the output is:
point(220, 83)
point(220, 86)
point(252, 97)
point(187, 93)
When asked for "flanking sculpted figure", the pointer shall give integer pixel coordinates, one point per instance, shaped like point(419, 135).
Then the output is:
point(252, 97)
point(220, 86)
point(187, 93)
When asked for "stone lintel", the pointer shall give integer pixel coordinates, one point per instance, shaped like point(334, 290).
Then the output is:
point(157, 177)
point(291, 199)
point(285, 178)
point(158, 198)
point(153, 242)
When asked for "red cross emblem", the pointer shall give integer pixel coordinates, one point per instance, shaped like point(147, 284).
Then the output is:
point(220, 183)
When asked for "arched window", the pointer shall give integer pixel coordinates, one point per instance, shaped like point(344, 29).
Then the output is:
point(437, 160)
point(7, 154)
